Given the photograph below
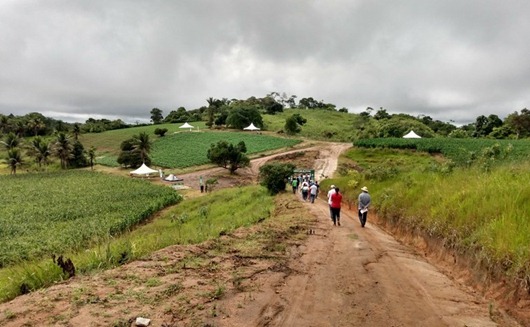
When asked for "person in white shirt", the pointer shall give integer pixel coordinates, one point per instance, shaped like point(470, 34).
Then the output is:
point(330, 192)
point(313, 189)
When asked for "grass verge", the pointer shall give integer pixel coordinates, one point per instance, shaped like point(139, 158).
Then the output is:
point(192, 222)
point(480, 212)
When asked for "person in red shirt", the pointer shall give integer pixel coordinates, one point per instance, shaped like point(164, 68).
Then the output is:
point(335, 199)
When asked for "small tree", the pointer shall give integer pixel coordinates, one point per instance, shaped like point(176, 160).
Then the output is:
point(142, 144)
point(76, 130)
point(62, 148)
point(14, 159)
point(39, 149)
point(228, 156)
point(78, 157)
point(11, 141)
point(130, 156)
point(274, 176)
point(161, 131)
point(92, 157)
point(291, 126)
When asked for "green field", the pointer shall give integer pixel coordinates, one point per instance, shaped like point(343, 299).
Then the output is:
point(110, 141)
point(458, 150)
point(321, 124)
point(189, 149)
point(179, 149)
point(52, 213)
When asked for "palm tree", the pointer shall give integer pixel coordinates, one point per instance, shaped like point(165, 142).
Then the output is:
point(142, 144)
point(92, 156)
point(76, 130)
point(40, 150)
point(4, 124)
point(14, 159)
point(211, 111)
point(62, 149)
point(35, 125)
point(11, 141)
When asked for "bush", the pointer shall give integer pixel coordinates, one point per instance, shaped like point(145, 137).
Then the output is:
point(274, 176)
point(161, 131)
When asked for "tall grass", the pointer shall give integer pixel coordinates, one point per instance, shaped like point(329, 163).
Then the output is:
point(484, 213)
point(191, 222)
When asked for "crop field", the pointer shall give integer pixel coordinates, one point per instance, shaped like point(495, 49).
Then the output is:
point(458, 150)
point(110, 141)
point(58, 213)
point(189, 149)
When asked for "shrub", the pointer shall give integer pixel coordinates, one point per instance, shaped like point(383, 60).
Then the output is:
point(274, 176)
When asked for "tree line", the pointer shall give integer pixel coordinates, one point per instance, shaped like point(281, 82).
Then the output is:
point(70, 152)
point(48, 137)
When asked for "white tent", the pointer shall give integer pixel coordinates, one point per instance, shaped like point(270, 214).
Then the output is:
point(251, 127)
point(411, 135)
point(172, 178)
point(186, 125)
point(144, 170)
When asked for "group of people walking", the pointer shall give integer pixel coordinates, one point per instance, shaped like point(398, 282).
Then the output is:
point(310, 189)
point(335, 200)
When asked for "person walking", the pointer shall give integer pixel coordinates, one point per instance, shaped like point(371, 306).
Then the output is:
point(364, 202)
point(330, 192)
point(294, 184)
point(313, 189)
point(201, 184)
point(305, 190)
point(336, 200)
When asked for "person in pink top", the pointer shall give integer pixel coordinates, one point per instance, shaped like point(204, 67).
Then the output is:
point(336, 200)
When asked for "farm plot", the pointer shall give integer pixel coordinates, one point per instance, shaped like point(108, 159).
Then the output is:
point(56, 213)
point(458, 150)
point(189, 149)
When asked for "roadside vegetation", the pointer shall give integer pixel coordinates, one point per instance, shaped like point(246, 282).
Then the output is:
point(191, 222)
point(478, 208)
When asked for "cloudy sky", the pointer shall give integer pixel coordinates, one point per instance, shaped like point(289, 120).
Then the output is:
point(450, 59)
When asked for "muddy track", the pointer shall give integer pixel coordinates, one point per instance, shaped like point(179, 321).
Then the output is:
point(353, 276)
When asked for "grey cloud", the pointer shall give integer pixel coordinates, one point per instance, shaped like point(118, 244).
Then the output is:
point(447, 59)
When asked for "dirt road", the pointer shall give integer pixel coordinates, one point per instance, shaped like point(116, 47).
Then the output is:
point(353, 276)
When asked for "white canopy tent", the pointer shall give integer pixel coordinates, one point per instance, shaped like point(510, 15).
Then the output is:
point(143, 170)
point(251, 127)
point(172, 178)
point(186, 125)
point(411, 135)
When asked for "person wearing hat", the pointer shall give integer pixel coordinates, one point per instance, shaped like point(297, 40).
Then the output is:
point(330, 192)
point(364, 203)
